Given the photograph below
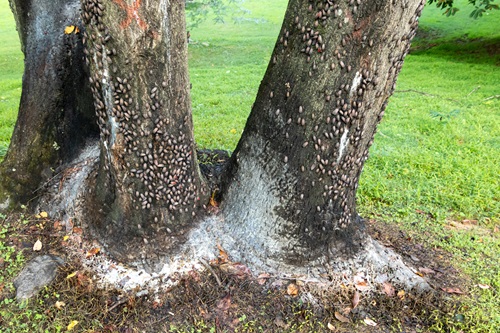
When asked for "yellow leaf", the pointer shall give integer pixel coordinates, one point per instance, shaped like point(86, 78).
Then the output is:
point(44, 215)
point(65, 238)
point(292, 289)
point(37, 246)
point(38, 216)
point(60, 305)
point(233, 131)
point(69, 29)
point(71, 275)
point(72, 325)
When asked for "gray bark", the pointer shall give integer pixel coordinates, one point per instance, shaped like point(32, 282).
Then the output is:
point(55, 115)
point(289, 197)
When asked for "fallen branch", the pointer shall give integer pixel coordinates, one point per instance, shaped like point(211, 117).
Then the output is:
point(426, 94)
point(491, 97)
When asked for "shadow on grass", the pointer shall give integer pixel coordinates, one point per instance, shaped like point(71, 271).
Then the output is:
point(477, 51)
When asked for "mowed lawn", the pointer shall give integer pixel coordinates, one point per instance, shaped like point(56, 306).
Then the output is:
point(435, 163)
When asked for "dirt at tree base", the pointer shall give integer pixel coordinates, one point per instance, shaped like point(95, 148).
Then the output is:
point(227, 301)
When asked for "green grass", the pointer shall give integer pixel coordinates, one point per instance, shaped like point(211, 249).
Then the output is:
point(437, 150)
point(227, 62)
point(11, 71)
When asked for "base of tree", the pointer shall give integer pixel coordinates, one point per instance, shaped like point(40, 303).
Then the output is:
point(64, 199)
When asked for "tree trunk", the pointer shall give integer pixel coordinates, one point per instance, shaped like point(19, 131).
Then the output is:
point(55, 116)
point(148, 186)
point(289, 198)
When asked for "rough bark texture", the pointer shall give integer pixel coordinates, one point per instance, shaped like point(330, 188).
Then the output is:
point(56, 114)
point(290, 195)
point(148, 187)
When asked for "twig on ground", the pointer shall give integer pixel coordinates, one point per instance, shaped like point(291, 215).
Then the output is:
point(473, 91)
point(120, 302)
point(207, 266)
point(426, 94)
point(491, 97)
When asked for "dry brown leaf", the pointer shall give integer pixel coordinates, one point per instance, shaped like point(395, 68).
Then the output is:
point(57, 226)
point(370, 322)
point(235, 268)
point(59, 305)
point(426, 270)
point(262, 278)
point(223, 256)
point(341, 318)
point(452, 290)
point(362, 286)
point(77, 230)
point(225, 303)
point(92, 252)
point(355, 299)
point(389, 289)
point(37, 246)
point(331, 327)
point(292, 289)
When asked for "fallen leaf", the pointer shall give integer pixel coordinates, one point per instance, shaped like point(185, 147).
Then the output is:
point(355, 299)
point(37, 246)
point(426, 270)
point(92, 252)
point(483, 286)
point(60, 305)
point(65, 238)
point(72, 325)
point(401, 294)
point(225, 303)
point(71, 275)
point(69, 29)
point(223, 256)
point(389, 289)
point(452, 290)
point(262, 278)
point(292, 289)
point(341, 317)
point(362, 286)
point(235, 268)
point(370, 322)
point(331, 327)
point(57, 225)
point(44, 215)
point(233, 131)
point(77, 230)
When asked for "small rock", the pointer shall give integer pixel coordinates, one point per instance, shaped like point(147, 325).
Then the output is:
point(38, 273)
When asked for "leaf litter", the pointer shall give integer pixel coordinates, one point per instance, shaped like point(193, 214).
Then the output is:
point(197, 295)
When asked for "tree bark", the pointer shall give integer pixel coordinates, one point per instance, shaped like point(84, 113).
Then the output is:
point(289, 198)
point(55, 116)
point(148, 186)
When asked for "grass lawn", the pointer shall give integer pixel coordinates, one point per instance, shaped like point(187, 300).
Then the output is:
point(434, 168)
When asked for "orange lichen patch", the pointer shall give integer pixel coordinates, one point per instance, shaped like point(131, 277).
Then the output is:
point(132, 14)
